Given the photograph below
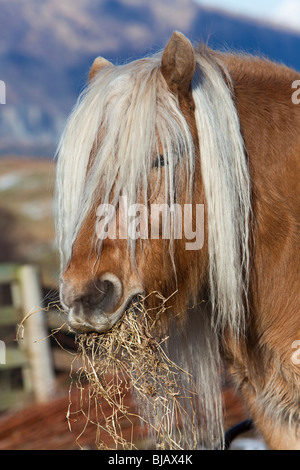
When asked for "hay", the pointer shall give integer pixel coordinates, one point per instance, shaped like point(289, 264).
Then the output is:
point(133, 356)
point(127, 383)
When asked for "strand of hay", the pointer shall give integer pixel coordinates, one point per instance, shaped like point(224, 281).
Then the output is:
point(132, 356)
point(53, 305)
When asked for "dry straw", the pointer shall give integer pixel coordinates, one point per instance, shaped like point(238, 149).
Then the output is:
point(132, 358)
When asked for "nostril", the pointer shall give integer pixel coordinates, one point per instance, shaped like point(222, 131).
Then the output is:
point(109, 292)
point(103, 287)
point(99, 295)
point(112, 288)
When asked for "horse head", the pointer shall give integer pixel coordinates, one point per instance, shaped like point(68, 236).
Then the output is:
point(145, 152)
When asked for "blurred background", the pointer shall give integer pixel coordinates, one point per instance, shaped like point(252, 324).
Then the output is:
point(46, 50)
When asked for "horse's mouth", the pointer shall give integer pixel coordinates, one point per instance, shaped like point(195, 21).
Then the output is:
point(98, 321)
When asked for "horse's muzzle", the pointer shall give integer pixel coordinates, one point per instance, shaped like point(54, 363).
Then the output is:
point(97, 306)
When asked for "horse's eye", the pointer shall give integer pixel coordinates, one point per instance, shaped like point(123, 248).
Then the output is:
point(159, 161)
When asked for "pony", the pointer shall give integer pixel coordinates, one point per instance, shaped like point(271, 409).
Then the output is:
point(190, 127)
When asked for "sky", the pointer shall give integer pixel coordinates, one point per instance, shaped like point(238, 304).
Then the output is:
point(282, 12)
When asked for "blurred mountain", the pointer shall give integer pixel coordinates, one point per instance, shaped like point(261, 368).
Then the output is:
point(46, 49)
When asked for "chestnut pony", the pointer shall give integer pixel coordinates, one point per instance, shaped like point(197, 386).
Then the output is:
point(188, 128)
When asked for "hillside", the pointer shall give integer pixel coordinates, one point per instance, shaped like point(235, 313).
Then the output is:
point(46, 49)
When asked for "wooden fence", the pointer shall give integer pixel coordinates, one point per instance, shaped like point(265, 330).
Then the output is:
point(31, 353)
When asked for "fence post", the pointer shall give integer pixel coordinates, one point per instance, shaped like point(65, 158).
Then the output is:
point(35, 334)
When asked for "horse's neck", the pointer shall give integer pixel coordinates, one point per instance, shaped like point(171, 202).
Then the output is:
point(270, 121)
point(270, 124)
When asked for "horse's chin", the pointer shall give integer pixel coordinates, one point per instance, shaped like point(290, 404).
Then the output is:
point(98, 321)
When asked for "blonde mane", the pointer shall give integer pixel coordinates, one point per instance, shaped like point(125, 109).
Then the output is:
point(132, 109)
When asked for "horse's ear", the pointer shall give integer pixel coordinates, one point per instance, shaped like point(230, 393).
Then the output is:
point(98, 64)
point(178, 63)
